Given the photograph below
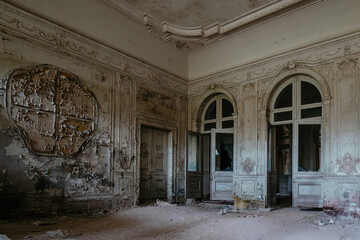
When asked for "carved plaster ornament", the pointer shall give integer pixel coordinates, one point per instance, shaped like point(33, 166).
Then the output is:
point(347, 164)
point(348, 65)
point(155, 102)
point(347, 49)
point(291, 65)
point(53, 113)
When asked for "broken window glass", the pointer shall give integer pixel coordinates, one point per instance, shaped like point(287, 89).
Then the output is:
point(224, 151)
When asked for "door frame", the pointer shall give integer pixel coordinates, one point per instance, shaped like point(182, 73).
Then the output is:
point(171, 177)
point(303, 183)
point(220, 174)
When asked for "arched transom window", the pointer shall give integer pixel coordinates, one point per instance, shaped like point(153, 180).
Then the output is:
point(298, 98)
point(218, 114)
point(297, 107)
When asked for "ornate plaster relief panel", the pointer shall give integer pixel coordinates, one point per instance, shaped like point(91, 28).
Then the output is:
point(53, 113)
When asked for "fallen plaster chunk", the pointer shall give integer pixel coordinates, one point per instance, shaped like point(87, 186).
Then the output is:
point(40, 223)
point(222, 211)
point(160, 203)
point(190, 201)
point(56, 233)
point(4, 237)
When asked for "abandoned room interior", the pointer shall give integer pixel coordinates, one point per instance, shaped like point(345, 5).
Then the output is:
point(110, 104)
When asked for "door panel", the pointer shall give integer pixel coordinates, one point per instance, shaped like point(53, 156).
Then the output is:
point(308, 190)
point(271, 173)
point(205, 140)
point(194, 167)
point(221, 174)
point(153, 164)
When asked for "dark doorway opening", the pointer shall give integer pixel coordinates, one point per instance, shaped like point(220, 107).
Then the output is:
point(280, 166)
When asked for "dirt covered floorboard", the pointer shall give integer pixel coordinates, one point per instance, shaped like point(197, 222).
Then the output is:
point(187, 222)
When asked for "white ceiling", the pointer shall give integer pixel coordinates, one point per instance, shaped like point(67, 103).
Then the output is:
point(192, 13)
point(193, 23)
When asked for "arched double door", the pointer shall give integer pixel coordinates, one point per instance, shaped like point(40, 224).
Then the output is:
point(211, 152)
point(295, 144)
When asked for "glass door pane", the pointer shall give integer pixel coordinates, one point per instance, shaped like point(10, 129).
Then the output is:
point(309, 148)
point(224, 151)
point(193, 153)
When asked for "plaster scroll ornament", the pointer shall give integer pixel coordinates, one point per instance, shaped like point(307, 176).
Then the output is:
point(52, 112)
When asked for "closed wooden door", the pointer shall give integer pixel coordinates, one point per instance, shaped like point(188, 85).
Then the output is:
point(153, 164)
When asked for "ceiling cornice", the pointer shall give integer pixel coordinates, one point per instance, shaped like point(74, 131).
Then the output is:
point(198, 35)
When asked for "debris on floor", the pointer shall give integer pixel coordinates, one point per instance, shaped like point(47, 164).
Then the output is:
point(4, 237)
point(190, 201)
point(41, 223)
point(222, 211)
point(56, 233)
point(160, 203)
point(189, 222)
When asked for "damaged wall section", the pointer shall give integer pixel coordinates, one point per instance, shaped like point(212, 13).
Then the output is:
point(335, 66)
point(68, 140)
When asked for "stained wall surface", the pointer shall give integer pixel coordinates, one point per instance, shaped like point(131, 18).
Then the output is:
point(335, 67)
point(71, 111)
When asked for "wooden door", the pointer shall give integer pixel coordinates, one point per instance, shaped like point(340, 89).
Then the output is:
point(194, 167)
point(271, 172)
point(221, 174)
point(205, 145)
point(153, 164)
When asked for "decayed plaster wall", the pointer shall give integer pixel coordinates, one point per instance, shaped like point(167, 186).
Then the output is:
point(104, 174)
point(335, 65)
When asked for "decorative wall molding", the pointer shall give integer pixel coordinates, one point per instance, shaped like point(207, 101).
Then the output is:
point(347, 164)
point(25, 25)
point(320, 54)
point(199, 35)
point(154, 102)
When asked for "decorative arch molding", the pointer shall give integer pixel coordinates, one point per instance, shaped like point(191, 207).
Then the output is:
point(321, 83)
point(199, 107)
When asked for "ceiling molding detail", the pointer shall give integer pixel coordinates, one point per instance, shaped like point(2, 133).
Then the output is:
point(26, 26)
point(199, 35)
point(323, 54)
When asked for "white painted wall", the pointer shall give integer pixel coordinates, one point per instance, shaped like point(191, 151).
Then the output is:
point(106, 26)
point(310, 25)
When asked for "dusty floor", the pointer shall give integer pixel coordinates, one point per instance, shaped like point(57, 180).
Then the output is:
point(188, 222)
